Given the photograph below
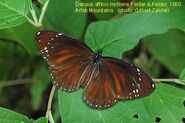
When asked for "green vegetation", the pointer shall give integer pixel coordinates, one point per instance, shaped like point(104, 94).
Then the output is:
point(154, 41)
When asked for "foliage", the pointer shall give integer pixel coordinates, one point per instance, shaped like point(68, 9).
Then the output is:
point(8, 116)
point(169, 53)
point(182, 76)
point(162, 103)
point(70, 22)
point(116, 34)
point(13, 12)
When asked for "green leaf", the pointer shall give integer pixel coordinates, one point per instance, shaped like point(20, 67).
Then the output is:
point(42, 1)
point(102, 15)
point(162, 103)
point(168, 48)
point(24, 35)
point(13, 12)
point(130, 28)
point(41, 81)
point(8, 116)
point(182, 76)
point(41, 120)
point(62, 17)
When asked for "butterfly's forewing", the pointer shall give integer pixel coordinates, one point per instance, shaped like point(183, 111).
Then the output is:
point(117, 80)
point(68, 59)
point(60, 50)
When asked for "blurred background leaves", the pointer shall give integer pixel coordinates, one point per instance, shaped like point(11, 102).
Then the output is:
point(158, 49)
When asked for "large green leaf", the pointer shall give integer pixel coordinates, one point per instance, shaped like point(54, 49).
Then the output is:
point(13, 12)
point(169, 49)
point(102, 15)
point(61, 15)
point(8, 116)
point(162, 103)
point(130, 28)
point(41, 120)
point(23, 34)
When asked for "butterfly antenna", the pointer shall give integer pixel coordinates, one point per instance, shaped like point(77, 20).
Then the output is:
point(95, 40)
point(109, 44)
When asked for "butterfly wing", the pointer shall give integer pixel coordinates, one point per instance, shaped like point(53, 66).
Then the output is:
point(68, 58)
point(117, 80)
point(60, 50)
point(128, 81)
point(99, 93)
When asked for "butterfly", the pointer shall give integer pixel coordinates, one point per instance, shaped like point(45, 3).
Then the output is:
point(105, 80)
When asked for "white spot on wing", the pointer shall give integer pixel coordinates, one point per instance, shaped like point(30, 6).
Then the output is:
point(38, 33)
point(153, 85)
point(60, 33)
point(138, 70)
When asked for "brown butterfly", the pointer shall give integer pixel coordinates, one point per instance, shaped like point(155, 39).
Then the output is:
point(105, 79)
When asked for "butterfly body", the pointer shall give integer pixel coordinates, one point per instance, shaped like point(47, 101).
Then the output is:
point(105, 79)
point(97, 56)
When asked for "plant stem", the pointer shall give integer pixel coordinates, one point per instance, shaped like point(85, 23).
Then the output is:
point(15, 82)
point(43, 12)
point(175, 80)
point(34, 15)
point(31, 22)
point(38, 22)
point(48, 112)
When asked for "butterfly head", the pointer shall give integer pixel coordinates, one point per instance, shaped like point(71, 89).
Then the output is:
point(96, 56)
